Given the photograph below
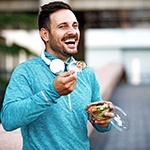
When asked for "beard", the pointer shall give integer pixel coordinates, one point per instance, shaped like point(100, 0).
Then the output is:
point(60, 49)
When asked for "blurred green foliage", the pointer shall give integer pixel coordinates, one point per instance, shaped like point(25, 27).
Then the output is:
point(14, 49)
point(18, 20)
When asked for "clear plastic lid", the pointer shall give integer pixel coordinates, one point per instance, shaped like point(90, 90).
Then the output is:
point(120, 120)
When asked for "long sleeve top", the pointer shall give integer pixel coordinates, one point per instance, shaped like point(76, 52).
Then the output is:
point(46, 120)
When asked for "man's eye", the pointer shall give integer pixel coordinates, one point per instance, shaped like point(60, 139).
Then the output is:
point(75, 25)
point(62, 27)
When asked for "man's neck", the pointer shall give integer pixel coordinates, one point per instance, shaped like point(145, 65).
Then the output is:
point(63, 58)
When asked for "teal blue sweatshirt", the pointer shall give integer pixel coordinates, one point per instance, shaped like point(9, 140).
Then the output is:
point(46, 119)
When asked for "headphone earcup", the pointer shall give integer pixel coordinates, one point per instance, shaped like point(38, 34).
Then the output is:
point(57, 66)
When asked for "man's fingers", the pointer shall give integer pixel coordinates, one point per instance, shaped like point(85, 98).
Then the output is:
point(65, 82)
point(109, 114)
point(101, 122)
point(67, 74)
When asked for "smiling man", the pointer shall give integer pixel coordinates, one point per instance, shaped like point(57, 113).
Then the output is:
point(47, 96)
point(62, 36)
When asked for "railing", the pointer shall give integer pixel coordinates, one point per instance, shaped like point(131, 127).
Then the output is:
point(5, 75)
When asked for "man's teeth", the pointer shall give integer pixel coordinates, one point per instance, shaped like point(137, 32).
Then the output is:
point(70, 42)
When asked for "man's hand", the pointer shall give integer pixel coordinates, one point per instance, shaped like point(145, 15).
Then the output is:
point(65, 82)
point(104, 122)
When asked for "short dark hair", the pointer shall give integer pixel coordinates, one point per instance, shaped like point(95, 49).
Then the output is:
point(47, 10)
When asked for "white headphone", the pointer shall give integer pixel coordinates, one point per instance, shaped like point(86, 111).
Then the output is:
point(57, 66)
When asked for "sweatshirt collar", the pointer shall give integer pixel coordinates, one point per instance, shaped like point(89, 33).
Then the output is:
point(52, 57)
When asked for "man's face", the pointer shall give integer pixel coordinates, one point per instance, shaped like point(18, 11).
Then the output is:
point(64, 33)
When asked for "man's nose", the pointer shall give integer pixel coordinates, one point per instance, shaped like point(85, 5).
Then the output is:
point(72, 30)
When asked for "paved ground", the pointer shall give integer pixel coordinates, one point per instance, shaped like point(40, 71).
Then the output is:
point(135, 100)
point(10, 140)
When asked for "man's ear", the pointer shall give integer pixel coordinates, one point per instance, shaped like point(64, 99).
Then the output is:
point(44, 34)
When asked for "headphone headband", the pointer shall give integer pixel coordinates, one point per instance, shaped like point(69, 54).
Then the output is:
point(46, 60)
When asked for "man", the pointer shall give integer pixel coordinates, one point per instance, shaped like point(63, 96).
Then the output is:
point(46, 99)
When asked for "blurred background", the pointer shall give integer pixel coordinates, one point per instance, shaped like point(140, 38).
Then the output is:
point(112, 31)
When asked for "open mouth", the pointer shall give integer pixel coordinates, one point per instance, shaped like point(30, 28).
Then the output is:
point(72, 42)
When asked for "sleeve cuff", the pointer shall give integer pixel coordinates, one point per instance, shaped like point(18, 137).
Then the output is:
point(100, 129)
